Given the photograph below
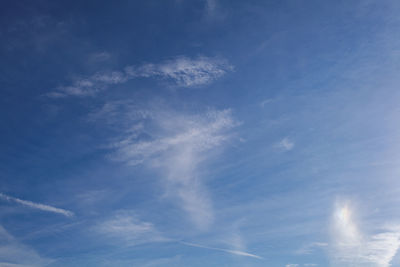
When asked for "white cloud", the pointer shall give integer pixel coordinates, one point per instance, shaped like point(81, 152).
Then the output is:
point(185, 72)
point(91, 85)
point(121, 114)
point(99, 57)
point(38, 206)
point(265, 102)
point(291, 265)
point(181, 71)
point(173, 144)
point(286, 144)
point(351, 247)
point(309, 248)
point(90, 197)
point(126, 226)
point(211, 6)
point(176, 145)
point(15, 254)
point(234, 252)
point(186, 135)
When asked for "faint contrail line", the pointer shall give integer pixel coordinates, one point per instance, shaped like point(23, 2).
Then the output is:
point(236, 252)
point(37, 205)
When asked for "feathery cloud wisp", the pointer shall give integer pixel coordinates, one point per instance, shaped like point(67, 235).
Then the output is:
point(15, 254)
point(181, 71)
point(38, 206)
point(172, 143)
point(176, 149)
point(309, 248)
point(353, 248)
point(286, 144)
point(235, 252)
point(129, 228)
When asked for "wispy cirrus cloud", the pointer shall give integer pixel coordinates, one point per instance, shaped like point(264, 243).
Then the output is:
point(172, 143)
point(234, 252)
point(197, 133)
point(180, 71)
point(310, 248)
point(265, 102)
point(285, 144)
point(184, 71)
point(38, 206)
point(126, 226)
point(90, 86)
point(351, 247)
point(15, 254)
point(211, 6)
point(177, 147)
point(100, 56)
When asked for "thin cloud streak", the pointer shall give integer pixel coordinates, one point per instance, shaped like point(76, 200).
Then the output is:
point(38, 206)
point(310, 248)
point(176, 148)
point(286, 144)
point(235, 252)
point(15, 254)
point(181, 71)
point(127, 227)
point(184, 71)
point(352, 247)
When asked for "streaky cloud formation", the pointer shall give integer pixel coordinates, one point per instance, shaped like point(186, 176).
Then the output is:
point(181, 71)
point(234, 252)
point(127, 115)
point(196, 133)
point(309, 248)
point(176, 148)
point(38, 206)
point(127, 227)
point(351, 247)
point(286, 144)
point(15, 254)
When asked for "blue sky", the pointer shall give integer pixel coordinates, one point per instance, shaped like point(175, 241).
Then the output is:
point(200, 133)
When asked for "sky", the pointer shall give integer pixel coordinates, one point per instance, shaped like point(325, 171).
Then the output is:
point(200, 133)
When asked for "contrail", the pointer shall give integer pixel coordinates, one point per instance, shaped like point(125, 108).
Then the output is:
point(38, 206)
point(236, 252)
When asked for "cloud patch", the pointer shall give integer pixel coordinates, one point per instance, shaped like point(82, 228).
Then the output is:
point(174, 144)
point(234, 252)
point(38, 206)
point(183, 71)
point(351, 247)
point(13, 253)
point(310, 248)
point(127, 227)
point(285, 144)
point(180, 71)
